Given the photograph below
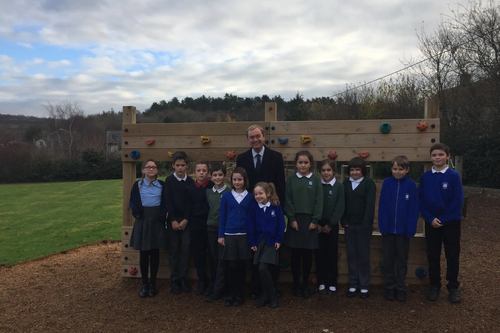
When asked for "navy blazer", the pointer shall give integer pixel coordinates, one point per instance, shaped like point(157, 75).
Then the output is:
point(272, 170)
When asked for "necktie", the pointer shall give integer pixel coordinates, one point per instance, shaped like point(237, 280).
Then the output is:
point(259, 162)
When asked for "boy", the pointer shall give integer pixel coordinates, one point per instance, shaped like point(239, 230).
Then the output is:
point(217, 268)
point(441, 198)
point(196, 214)
point(178, 234)
point(397, 221)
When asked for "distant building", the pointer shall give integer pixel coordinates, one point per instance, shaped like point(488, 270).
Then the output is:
point(113, 142)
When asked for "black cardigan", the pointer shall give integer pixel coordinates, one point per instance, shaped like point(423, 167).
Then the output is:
point(135, 202)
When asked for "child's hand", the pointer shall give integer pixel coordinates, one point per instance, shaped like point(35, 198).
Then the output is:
point(254, 248)
point(320, 229)
point(175, 225)
point(326, 229)
point(221, 241)
point(312, 226)
point(183, 224)
point(277, 246)
point(436, 223)
point(294, 225)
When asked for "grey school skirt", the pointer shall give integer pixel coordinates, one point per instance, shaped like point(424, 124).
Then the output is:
point(236, 248)
point(266, 253)
point(149, 233)
point(303, 238)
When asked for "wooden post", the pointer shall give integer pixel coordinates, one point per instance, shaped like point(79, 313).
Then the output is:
point(431, 111)
point(129, 117)
point(459, 161)
point(271, 113)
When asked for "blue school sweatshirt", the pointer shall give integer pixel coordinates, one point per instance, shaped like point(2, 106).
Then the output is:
point(269, 224)
point(233, 215)
point(398, 207)
point(441, 196)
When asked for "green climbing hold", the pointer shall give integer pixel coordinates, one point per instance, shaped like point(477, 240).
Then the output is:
point(385, 127)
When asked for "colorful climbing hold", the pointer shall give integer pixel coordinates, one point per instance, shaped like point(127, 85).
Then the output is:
point(282, 140)
point(150, 142)
point(305, 138)
point(204, 139)
point(421, 272)
point(135, 154)
point(170, 154)
point(332, 154)
point(132, 271)
point(385, 127)
point(422, 126)
point(365, 154)
point(231, 155)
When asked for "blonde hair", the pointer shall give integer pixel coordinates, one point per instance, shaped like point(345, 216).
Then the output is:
point(270, 191)
point(251, 128)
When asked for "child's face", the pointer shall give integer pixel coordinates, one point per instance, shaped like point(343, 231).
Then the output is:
point(398, 171)
point(303, 165)
point(327, 173)
point(180, 168)
point(201, 173)
point(439, 159)
point(150, 169)
point(260, 195)
point(356, 173)
point(238, 182)
point(218, 178)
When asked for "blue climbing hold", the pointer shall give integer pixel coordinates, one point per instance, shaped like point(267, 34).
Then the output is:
point(283, 140)
point(135, 154)
point(421, 272)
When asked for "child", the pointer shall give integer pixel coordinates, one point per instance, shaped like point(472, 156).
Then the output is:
point(358, 217)
point(196, 214)
point(218, 268)
point(265, 229)
point(304, 208)
point(234, 208)
point(179, 235)
point(397, 221)
point(333, 209)
point(147, 201)
point(441, 198)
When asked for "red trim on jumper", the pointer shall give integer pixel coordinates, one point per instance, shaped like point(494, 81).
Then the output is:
point(202, 185)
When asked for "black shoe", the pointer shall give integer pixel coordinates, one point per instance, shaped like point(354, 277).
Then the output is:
point(306, 292)
point(213, 297)
point(175, 288)
point(274, 304)
point(238, 301)
point(389, 294)
point(152, 290)
point(185, 286)
point(262, 302)
point(210, 289)
point(297, 292)
point(332, 292)
point(144, 291)
point(351, 294)
point(364, 295)
point(455, 296)
point(322, 291)
point(433, 294)
point(229, 301)
point(201, 288)
point(401, 296)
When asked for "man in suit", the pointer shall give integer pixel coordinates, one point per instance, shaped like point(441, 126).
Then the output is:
point(262, 164)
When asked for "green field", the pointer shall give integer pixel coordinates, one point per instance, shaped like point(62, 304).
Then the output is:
point(40, 219)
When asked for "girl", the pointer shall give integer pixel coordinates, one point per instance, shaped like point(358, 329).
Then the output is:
point(234, 208)
point(147, 201)
point(333, 209)
point(304, 208)
point(358, 223)
point(265, 229)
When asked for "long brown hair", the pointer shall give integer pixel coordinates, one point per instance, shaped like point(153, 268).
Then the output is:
point(270, 191)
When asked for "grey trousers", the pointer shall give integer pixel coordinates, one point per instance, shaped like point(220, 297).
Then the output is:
point(178, 252)
point(357, 243)
point(220, 266)
point(395, 249)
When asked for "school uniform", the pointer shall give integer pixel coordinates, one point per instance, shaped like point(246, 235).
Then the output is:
point(359, 213)
point(397, 221)
point(441, 196)
point(197, 213)
point(179, 240)
point(327, 254)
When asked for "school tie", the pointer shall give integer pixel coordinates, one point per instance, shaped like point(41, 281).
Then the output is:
point(259, 162)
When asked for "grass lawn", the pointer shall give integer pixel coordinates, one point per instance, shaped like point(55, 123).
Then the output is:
point(40, 219)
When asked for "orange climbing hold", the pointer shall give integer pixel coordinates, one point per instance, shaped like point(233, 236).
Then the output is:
point(132, 271)
point(422, 126)
point(231, 155)
point(332, 154)
point(365, 154)
point(150, 142)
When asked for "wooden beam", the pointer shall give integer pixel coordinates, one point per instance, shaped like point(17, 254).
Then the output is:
point(431, 110)
point(271, 113)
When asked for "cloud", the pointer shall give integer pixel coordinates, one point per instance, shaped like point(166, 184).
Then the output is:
point(26, 45)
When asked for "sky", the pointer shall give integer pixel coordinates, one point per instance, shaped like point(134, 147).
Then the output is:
point(105, 54)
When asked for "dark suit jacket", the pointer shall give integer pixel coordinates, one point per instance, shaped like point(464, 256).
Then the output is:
point(272, 170)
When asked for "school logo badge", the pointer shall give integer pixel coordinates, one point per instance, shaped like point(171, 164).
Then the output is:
point(310, 183)
point(330, 193)
point(273, 213)
point(407, 196)
point(445, 185)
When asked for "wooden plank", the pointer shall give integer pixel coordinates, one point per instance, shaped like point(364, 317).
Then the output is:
point(183, 142)
point(431, 108)
point(194, 129)
point(271, 111)
point(398, 126)
point(128, 181)
point(129, 115)
point(132, 258)
point(361, 141)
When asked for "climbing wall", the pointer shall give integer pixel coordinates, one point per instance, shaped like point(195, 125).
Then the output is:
point(374, 140)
